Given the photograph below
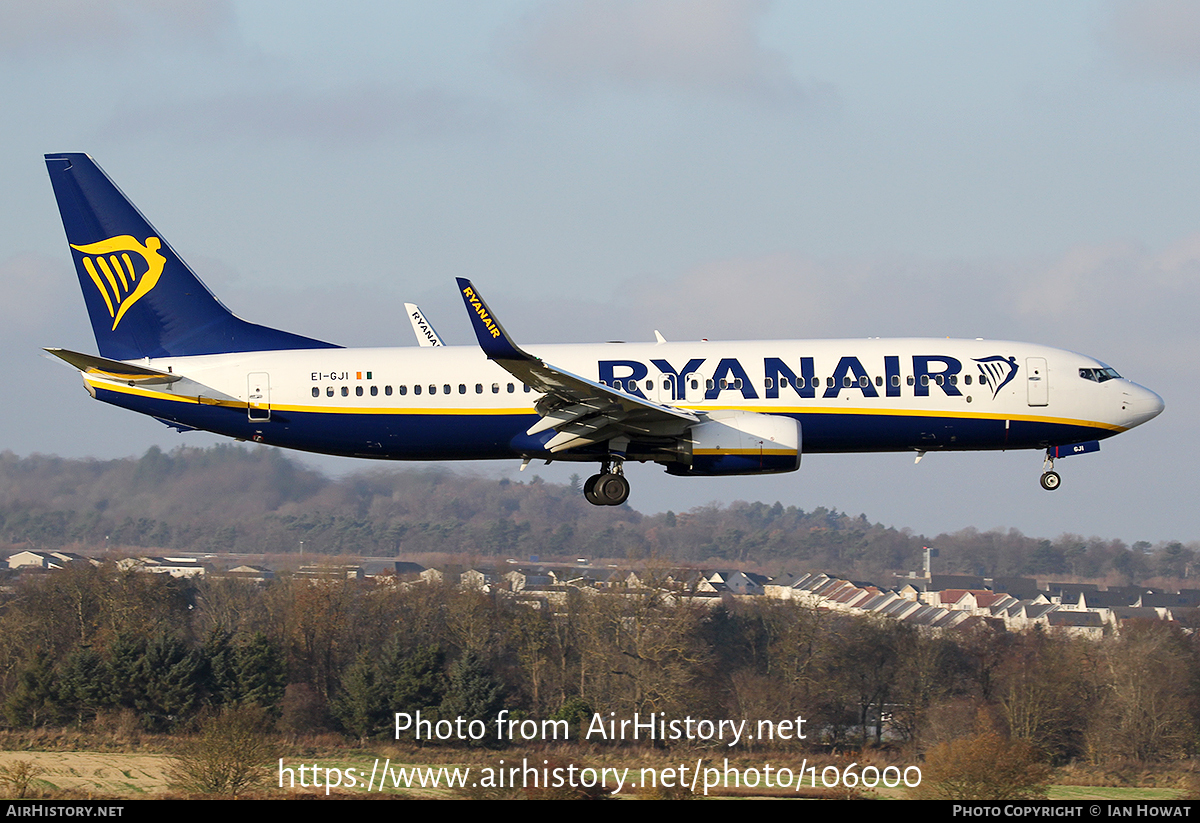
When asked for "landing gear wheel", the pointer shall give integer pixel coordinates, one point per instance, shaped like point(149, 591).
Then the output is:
point(611, 490)
point(589, 490)
point(1051, 481)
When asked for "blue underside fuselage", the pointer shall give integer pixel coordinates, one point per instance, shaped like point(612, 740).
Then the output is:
point(490, 436)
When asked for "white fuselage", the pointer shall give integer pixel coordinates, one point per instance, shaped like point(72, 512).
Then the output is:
point(454, 403)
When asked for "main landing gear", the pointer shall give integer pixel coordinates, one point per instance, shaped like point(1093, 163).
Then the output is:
point(1050, 479)
point(609, 488)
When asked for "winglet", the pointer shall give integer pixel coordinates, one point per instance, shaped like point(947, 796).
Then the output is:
point(493, 339)
point(422, 328)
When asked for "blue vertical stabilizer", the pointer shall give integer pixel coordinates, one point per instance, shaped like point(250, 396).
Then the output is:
point(142, 299)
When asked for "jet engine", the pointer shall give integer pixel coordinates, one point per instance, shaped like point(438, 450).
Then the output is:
point(737, 442)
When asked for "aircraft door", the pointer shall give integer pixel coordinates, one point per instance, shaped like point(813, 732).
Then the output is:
point(664, 389)
point(258, 396)
point(1037, 380)
point(694, 386)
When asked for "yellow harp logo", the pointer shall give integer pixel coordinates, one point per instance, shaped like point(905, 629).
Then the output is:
point(122, 282)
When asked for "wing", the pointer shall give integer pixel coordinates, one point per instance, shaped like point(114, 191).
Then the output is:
point(580, 411)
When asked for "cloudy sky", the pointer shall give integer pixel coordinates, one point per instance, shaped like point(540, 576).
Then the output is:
point(719, 169)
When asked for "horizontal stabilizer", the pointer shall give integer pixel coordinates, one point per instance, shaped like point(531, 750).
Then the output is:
point(102, 372)
point(113, 369)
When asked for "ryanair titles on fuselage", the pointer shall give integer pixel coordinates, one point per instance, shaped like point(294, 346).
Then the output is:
point(850, 375)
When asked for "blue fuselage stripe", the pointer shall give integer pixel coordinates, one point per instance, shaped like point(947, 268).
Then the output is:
point(484, 436)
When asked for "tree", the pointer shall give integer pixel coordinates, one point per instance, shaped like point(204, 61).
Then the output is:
point(1148, 709)
point(983, 767)
point(83, 687)
point(417, 680)
point(261, 673)
point(361, 706)
point(474, 694)
point(18, 777)
point(1045, 693)
point(231, 754)
point(33, 702)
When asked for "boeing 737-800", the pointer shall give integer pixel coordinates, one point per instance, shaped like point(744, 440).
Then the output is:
point(170, 349)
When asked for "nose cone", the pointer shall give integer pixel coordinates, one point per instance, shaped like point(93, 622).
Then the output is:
point(1140, 404)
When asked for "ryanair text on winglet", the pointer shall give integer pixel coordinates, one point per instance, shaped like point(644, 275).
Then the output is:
point(477, 304)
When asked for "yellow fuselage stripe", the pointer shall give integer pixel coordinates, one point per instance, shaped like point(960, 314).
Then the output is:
point(528, 410)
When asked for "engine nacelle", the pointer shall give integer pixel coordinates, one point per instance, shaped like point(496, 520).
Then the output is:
point(737, 442)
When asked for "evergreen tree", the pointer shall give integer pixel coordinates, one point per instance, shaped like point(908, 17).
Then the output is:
point(360, 706)
point(474, 694)
point(261, 673)
point(82, 683)
point(33, 702)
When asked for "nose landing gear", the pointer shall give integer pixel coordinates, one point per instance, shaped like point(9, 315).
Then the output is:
point(1050, 479)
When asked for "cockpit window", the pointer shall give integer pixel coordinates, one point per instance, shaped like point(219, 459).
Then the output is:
point(1099, 375)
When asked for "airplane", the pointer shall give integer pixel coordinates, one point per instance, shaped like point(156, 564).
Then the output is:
point(169, 349)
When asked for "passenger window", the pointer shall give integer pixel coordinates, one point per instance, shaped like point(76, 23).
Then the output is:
point(847, 381)
point(924, 380)
point(896, 381)
point(528, 389)
point(329, 391)
point(829, 382)
point(446, 389)
point(618, 385)
point(417, 389)
point(374, 391)
point(878, 380)
point(941, 379)
point(768, 382)
point(403, 390)
point(345, 391)
point(708, 384)
point(511, 388)
point(724, 384)
point(387, 390)
point(650, 385)
point(479, 388)
point(358, 391)
point(433, 389)
point(910, 380)
point(695, 384)
point(954, 380)
point(462, 388)
point(316, 392)
point(495, 388)
point(967, 379)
